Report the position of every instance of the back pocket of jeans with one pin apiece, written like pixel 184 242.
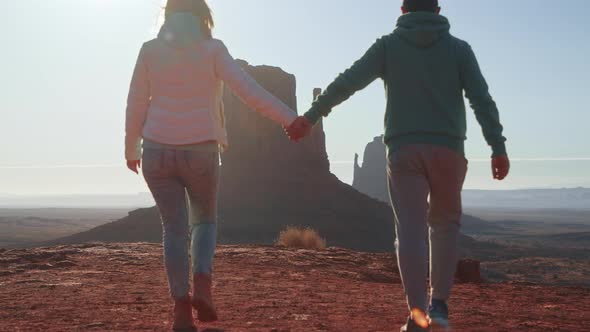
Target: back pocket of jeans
pixel 201 163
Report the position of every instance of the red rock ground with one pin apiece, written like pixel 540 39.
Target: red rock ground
pixel 122 287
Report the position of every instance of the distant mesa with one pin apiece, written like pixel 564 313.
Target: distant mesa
pixel 371 177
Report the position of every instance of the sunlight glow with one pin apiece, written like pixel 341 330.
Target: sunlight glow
pixel 420 318
pixel 160 21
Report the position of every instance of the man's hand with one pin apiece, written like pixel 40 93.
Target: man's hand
pixel 134 165
pixel 299 129
pixel 500 167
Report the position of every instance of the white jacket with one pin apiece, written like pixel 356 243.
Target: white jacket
pixel 176 91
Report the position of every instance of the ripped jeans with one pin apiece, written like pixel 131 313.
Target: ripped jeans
pixel 184 185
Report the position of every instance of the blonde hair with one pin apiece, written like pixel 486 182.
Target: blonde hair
pixel 198 8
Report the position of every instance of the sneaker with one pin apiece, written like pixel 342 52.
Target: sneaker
pixel 411 326
pixel 439 313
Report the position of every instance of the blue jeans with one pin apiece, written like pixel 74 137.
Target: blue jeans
pixel 184 185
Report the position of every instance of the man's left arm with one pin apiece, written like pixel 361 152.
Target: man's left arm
pixel 362 73
pixel 486 111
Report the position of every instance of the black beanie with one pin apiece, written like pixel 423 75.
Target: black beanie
pixel 420 5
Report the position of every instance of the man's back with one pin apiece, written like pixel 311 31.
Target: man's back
pixel 422 75
pixel 425 71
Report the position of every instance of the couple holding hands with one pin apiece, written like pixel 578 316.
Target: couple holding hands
pixel 175 129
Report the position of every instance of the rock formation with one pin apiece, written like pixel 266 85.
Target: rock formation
pixel 269 182
pixel 371 178
pixel 259 150
pixel 468 271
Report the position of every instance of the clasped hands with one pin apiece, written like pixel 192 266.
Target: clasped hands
pixel 299 129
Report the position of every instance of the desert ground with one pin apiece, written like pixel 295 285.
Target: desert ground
pixel 122 287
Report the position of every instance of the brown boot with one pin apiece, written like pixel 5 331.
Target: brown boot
pixel 183 315
pixel 203 299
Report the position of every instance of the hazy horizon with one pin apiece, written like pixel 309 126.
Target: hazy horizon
pixel 564 199
pixel 67 71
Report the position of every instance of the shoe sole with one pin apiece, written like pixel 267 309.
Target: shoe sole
pixel 404 329
pixel 440 324
pixel 205 312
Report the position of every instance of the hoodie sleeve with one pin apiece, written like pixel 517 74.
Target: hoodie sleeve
pixel 362 73
pixel 249 91
pixel 486 111
pixel 138 103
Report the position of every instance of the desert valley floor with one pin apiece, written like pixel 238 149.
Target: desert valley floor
pixel 122 287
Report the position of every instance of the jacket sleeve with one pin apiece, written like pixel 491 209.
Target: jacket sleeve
pixel 249 91
pixel 362 73
pixel 138 103
pixel 486 111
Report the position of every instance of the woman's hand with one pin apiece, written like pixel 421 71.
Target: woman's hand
pixel 134 165
pixel 299 129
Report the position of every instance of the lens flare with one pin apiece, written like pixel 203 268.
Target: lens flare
pixel 420 318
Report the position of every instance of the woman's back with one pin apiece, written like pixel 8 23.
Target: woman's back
pixel 184 87
pixel 181 73
pixel 176 90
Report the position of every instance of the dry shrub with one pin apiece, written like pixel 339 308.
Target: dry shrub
pixel 297 237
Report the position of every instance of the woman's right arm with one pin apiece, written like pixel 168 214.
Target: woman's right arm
pixel 138 104
pixel 249 91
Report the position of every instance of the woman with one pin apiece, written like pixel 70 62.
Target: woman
pixel 175 107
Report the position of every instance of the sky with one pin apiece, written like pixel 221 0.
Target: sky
pixel 66 65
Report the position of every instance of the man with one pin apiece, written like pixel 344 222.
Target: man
pixel 425 71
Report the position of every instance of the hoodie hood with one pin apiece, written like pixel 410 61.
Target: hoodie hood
pixel 181 30
pixel 422 29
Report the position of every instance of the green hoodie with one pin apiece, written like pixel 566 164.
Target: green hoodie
pixel 425 70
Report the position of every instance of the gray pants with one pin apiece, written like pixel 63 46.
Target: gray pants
pixel 184 185
pixel 415 173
